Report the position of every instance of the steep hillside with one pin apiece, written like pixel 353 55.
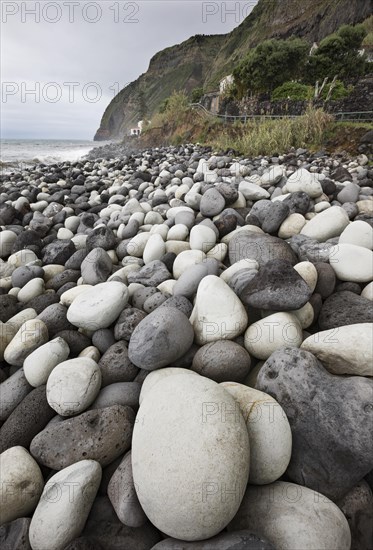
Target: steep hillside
pixel 181 67
pixel 204 60
pixel 309 19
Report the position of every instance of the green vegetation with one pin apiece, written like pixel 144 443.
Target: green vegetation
pixel 294 91
pixel 284 67
pixel 267 136
pixel 197 93
pixel 173 110
pixel 338 54
pixel 270 64
pixel 179 123
pixel 338 91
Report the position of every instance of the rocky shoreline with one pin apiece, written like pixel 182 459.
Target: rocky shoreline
pixel 186 352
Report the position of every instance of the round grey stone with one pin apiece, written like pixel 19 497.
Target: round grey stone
pixel 222 361
pixel 212 203
pixel 162 337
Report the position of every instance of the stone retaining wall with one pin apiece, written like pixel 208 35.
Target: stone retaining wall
pixel 361 99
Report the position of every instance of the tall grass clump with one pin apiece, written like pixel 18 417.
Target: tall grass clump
pixel 267 136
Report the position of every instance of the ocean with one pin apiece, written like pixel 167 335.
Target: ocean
pixel 18 154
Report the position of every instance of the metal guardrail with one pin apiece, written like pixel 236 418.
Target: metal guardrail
pixel 356 116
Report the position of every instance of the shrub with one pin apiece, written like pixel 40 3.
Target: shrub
pixel 270 64
pixel 339 91
pixel 197 93
pixel 338 54
pixel 292 90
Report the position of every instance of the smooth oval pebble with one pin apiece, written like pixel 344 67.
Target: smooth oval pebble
pixel 7 239
pixel 64 506
pixel 73 385
pixel 316 522
pixel 202 238
pixel 123 497
pixel 344 350
pixel 218 314
pixel 186 410
pixel 21 484
pixel 352 263
pixel 154 249
pixel 303 180
pixel 186 259
pixel 40 363
pixel 269 433
pixel 308 272
pixel 359 233
pixel 32 334
pixel 162 337
pixel 327 224
pixel 221 361
pixel 67 297
pixel 33 288
pixel 273 332
pixel 99 306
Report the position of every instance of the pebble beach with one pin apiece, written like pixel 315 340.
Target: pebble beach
pixel 186 352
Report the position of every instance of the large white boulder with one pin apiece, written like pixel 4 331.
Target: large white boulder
pixel 190 457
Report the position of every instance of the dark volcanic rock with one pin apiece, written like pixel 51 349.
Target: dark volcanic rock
pixel 77 341
pixel 278 212
pixel 24 274
pixel 325 411
pixel 116 366
pixel 152 274
pixel 27 420
pixel 100 434
pixel 54 316
pixel 58 252
pixel 101 237
pixel 262 248
pixel 104 527
pixel 9 306
pixel 326 279
pixel 345 308
pixel 236 540
pixel 277 286
pixel 127 322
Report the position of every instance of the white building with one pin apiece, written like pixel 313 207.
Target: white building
pixel 226 83
pixel 137 131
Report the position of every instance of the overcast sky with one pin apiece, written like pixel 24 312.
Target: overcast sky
pixel 73 56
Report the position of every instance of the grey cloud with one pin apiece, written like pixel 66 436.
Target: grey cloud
pixel 110 53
